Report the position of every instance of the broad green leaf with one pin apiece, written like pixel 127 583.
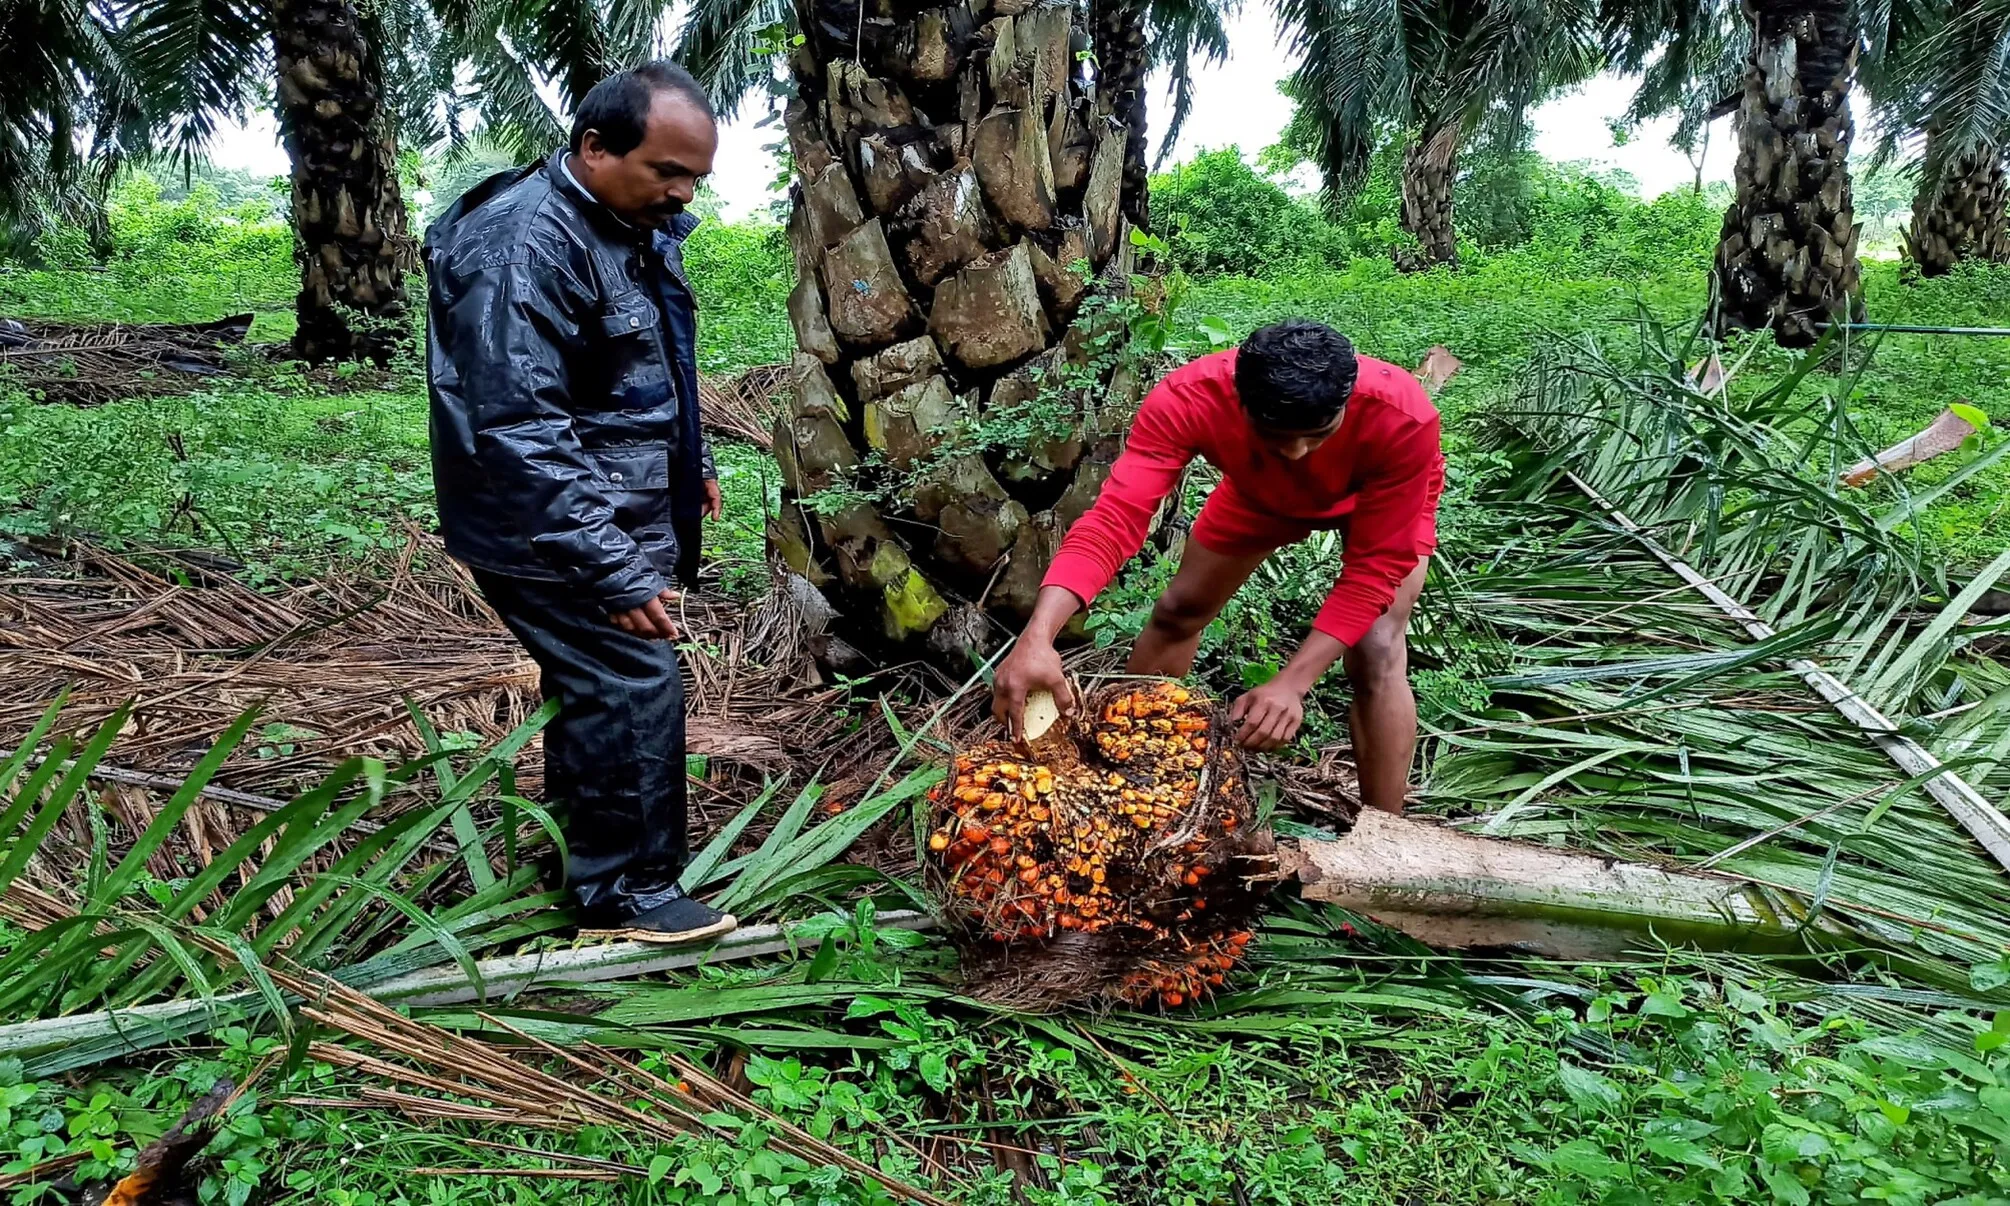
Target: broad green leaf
pixel 1589 1089
pixel 1681 1151
pixel 1583 1158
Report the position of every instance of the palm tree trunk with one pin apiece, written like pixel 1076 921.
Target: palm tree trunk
pixel 1787 258
pixel 955 405
pixel 1120 93
pixel 1963 218
pixel 348 219
pixel 1429 167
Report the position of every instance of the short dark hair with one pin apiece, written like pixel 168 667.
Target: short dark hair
pixel 618 107
pixel 1295 375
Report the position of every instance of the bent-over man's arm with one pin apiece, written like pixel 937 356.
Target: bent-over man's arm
pixel 1095 548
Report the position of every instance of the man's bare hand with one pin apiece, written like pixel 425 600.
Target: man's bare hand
pixel 1032 665
pixel 1268 718
pixel 651 621
pixel 715 502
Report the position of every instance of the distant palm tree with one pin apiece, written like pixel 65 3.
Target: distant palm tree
pixel 1438 71
pixel 1949 81
pixel 349 77
pixel 69 114
pixel 1787 254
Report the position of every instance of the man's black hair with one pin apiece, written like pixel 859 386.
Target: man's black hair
pixel 1295 375
pixel 618 106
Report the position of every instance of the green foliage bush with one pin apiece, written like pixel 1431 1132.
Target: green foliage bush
pixel 186 260
pixel 1220 215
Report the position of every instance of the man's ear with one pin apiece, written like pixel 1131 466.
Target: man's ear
pixel 590 141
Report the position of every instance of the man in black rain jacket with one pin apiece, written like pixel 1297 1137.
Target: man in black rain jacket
pixel 572 472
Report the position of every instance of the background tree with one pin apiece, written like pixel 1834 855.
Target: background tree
pixel 1441 72
pixel 1948 84
pixel 734 46
pixel 203 61
pixel 69 115
pixel 957 399
pixel 1787 255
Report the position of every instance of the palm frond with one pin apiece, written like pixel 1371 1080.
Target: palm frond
pixel 722 43
pixel 198 61
pixel 1179 34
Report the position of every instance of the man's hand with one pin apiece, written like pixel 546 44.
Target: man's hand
pixel 715 502
pixel 1268 717
pixel 651 621
pixel 1033 665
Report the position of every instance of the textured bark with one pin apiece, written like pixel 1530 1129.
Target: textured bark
pixel 1787 257
pixel 1120 93
pixel 1429 167
pixel 349 221
pixel 953 172
pixel 1964 218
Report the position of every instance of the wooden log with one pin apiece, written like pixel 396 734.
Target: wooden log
pixel 868 303
pixel 1452 890
pixel 989 313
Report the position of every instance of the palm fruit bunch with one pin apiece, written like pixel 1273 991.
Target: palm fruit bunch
pixel 1114 840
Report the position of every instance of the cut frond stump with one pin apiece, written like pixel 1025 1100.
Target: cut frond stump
pixel 1107 859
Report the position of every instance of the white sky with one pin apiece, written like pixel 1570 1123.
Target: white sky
pixel 1236 102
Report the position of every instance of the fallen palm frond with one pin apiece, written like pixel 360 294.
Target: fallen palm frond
pixel 339 666
pixel 744 407
pixel 1692 743
pixel 617 1092
pixel 91 363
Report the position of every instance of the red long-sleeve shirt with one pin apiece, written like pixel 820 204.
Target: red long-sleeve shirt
pixel 1378 476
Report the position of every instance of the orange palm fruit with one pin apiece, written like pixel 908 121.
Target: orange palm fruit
pixel 938 841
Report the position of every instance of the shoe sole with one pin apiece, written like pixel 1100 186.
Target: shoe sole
pixel 724 925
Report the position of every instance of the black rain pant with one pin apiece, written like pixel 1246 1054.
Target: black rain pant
pixel 615 754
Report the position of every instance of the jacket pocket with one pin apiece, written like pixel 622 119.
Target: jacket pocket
pixel 632 357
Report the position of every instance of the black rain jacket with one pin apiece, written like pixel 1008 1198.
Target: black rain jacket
pixel 562 369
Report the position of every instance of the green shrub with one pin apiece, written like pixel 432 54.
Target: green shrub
pixel 1220 215
pixel 742 274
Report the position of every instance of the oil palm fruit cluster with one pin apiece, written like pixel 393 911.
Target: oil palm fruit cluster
pixel 1117 827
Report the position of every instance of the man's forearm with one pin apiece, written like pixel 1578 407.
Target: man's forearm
pixel 1313 659
pixel 1052 610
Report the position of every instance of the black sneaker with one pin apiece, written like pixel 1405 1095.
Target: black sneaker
pixel 676 919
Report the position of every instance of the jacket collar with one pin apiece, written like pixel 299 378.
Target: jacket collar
pixel 677 231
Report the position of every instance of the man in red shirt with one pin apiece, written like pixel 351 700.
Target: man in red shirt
pixel 1308 436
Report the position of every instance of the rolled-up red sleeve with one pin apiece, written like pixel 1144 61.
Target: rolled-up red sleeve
pixel 1113 530
pixel 1382 544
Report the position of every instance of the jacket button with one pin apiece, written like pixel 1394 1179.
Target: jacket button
pixel 614 477
pixel 634 321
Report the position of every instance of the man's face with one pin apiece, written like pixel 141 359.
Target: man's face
pixel 654 182
pixel 1294 445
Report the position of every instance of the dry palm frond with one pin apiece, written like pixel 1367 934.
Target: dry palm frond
pixel 744 407
pixel 92 363
pixel 618 1093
